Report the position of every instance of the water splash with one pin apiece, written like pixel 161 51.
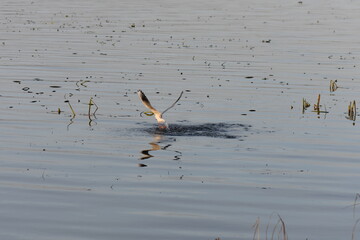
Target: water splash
pixel 214 130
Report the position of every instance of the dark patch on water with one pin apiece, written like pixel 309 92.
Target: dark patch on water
pixel 214 130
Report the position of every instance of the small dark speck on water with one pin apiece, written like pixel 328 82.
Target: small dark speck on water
pixel 25 88
pixel 252 110
pixel 249 77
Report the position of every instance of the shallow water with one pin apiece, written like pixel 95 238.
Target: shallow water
pixel 239 145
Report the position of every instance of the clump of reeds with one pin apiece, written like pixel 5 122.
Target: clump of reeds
pixel 352 111
pixel 278 232
pixel 279 228
pixel 317 106
pixel 333 85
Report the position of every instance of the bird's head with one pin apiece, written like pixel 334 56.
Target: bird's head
pixel 163 124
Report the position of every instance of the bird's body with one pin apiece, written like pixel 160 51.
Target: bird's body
pixel 158 115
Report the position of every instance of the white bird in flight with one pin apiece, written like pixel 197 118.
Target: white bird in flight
pixel 158 115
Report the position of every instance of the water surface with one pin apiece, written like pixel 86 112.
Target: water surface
pixel 239 146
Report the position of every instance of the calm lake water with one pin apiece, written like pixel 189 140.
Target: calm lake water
pixel 240 147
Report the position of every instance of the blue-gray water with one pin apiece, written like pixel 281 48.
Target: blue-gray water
pixel 239 145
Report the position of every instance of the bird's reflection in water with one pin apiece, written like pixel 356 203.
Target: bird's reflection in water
pixel 155 146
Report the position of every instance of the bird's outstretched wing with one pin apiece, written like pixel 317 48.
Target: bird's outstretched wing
pixel 147 103
pixel 173 103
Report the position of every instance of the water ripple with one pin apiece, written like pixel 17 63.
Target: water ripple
pixel 214 130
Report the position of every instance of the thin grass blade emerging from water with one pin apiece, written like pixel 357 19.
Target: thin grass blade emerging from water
pixel 256 226
pixel 355 203
pixel 279 227
pixel 354 229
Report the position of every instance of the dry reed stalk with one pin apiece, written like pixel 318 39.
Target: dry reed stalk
pixel 355 203
pixel 91 103
pixel 306 104
pixel 352 111
pixel 354 229
pixel 279 226
pixel 257 229
pixel 317 105
pixel 333 85
pixel 71 108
